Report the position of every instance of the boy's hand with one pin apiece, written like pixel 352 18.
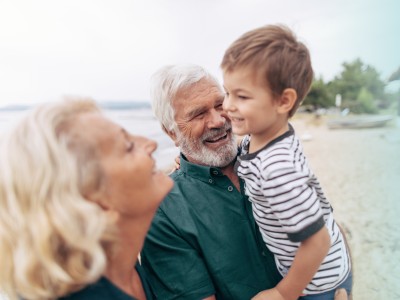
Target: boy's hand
pixel 271 294
pixel 176 166
pixel 177 162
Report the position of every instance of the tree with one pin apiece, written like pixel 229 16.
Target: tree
pixel 395 75
pixel 357 83
pixel 319 95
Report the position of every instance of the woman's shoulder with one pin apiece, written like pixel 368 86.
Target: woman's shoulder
pixel 103 289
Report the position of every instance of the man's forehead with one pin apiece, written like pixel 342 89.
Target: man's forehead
pixel 202 90
pixel 204 98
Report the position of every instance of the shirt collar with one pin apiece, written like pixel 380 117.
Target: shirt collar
pixel 198 171
pixel 248 156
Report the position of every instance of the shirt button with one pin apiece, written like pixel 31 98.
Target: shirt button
pixel 210 180
pixel 215 172
pixel 230 188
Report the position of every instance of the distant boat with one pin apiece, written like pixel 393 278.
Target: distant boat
pixel 359 122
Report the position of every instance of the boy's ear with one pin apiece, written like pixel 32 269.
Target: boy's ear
pixel 171 134
pixel 287 100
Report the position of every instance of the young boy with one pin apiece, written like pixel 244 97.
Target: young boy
pixel 267 73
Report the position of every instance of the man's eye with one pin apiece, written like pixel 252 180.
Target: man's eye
pixel 199 116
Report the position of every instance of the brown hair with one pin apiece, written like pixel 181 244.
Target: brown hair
pixel 276 55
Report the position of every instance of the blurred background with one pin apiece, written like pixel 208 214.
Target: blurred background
pixel 349 122
pixel 108 49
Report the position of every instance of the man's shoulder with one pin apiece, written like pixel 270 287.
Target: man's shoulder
pixel 176 201
pixel 189 194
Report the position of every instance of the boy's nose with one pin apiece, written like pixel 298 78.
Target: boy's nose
pixel 227 104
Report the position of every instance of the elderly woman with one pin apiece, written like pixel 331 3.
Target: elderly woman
pixel 77 196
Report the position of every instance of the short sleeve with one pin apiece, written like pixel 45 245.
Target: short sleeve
pixel 293 201
pixel 174 267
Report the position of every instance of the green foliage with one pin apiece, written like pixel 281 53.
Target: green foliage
pixel 364 103
pixel 395 75
pixel 319 95
pixel 360 86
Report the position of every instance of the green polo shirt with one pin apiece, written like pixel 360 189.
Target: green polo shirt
pixel 204 241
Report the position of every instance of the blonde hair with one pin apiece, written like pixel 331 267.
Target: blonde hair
pixel 52 239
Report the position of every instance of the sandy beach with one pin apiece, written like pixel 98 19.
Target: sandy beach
pixel 359 170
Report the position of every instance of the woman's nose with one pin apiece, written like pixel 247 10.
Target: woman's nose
pixel 146 144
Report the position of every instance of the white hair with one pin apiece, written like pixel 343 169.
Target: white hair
pixel 170 80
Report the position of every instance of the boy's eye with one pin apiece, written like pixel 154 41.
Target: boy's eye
pixel 243 97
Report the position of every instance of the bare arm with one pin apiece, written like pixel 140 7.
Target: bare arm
pixel 309 257
pixel 210 298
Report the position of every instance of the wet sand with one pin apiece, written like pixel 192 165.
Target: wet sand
pixel 359 169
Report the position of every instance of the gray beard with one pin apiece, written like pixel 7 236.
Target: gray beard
pixel 200 154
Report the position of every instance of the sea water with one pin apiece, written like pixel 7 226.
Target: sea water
pixel 139 121
pixel 142 122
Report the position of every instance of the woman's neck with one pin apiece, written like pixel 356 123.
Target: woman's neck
pixel 121 265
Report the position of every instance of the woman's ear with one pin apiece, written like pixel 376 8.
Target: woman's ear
pixel 98 198
pixel 287 100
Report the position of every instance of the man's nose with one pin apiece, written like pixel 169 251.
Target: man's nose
pixel 217 119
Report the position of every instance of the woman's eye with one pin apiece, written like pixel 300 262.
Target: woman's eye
pixel 129 146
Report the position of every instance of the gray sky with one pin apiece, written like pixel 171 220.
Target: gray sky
pixel 108 49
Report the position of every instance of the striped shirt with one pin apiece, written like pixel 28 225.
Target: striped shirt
pixel 289 206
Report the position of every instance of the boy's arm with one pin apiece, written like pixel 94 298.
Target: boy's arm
pixel 309 257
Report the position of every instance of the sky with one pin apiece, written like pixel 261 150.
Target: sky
pixel 108 49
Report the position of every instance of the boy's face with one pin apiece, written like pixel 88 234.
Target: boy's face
pixel 251 106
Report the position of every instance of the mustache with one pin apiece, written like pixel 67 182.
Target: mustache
pixel 216 132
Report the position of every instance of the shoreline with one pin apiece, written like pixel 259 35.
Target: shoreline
pixel 359 170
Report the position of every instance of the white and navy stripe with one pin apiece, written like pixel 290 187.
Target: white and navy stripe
pixel 289 206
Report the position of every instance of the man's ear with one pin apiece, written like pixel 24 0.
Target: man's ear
pixel 171 134
pixel 287 100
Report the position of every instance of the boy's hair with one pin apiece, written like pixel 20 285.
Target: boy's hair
pixel 276 56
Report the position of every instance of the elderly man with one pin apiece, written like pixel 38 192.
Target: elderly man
pixel 203 243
